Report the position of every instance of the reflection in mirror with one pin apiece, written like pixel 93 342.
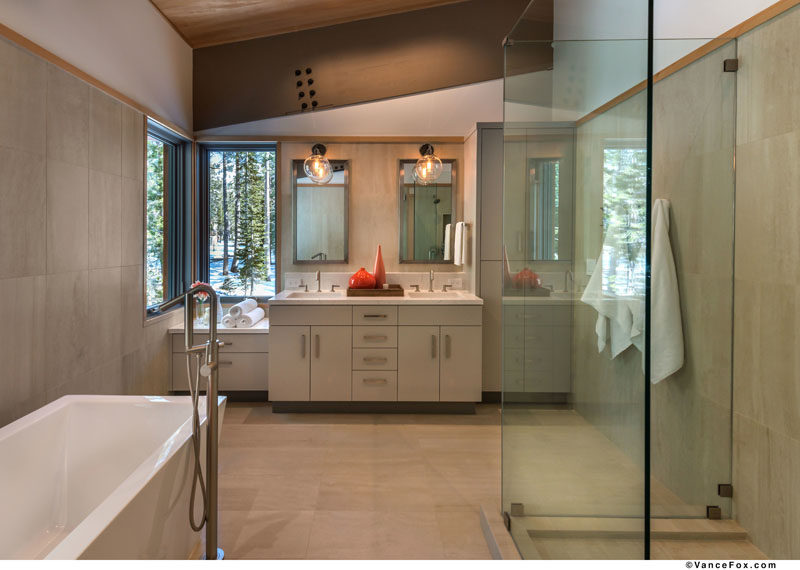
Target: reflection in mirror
pixel 543 201
pixel 320 215
pixel 426 212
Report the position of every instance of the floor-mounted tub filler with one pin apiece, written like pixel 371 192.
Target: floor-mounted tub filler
pixel 100 477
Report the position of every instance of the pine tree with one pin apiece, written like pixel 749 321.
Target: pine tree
pixel 237 196
pixel 225 213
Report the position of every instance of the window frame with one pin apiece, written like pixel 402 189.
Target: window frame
pixel 202 218
pixel 178 226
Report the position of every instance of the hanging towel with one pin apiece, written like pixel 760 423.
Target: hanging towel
pixel 249 319
pixel 666 328
pixel 458 244
pixel 240 309
pixel 447 242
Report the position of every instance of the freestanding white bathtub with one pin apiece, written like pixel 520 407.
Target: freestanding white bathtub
pixel 105 477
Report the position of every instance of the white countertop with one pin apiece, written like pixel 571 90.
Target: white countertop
pixel 557 298
pixel 341 298
pixel 261 327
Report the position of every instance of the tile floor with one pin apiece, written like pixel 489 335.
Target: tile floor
pixel 408 486
pixel 356 486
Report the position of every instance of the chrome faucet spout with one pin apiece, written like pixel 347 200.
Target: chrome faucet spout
pixel 430 282
pixel 319 282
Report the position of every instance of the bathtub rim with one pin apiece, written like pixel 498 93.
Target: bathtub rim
pixel 82 536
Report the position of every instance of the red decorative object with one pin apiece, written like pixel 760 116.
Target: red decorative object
pixel 526 279
pixel 202 295
pixel 362 279
pixel 379 272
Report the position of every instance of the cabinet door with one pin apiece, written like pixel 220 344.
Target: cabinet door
pixel 289 367
pixel 460 377
pixel 331 354
pixel 418 364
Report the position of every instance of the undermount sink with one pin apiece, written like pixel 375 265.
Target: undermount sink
pixel 315 295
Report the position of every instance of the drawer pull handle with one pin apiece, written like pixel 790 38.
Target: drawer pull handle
pixel 433 346
pixel 225 362
pixel 376 359
pixel 303 347
pixel 375 337
pixel 222 343
pixel 375 316
pixel 375 381
pixel 316 349
pixel 447 346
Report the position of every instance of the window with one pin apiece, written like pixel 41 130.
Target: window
pixel 624 218
pixel 165 215
pixel 239 197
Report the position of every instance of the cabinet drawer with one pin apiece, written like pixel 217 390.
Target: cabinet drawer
pixel 311 315
pixel 369 386
pixel 464 315
pixel 377 337
pixel 374 359
pixel 237 342
pixel 375 315
pixel 237 371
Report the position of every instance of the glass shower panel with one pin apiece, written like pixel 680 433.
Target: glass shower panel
pixel 575 236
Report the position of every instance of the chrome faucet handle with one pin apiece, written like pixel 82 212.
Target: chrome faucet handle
pixel 430 282
pixel 445 287
pixel 416 288
pixel 319 282
pixel 333 287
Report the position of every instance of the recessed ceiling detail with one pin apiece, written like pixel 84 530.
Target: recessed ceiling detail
pixel 205 23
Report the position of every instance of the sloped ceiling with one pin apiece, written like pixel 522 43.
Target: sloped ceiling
pixel 356 62
pixel 205 23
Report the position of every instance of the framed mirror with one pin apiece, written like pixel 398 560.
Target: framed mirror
pixel 320 213
pixel 426 212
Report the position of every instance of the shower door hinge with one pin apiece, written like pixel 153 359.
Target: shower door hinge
pixel 713 512
pixel 731 65
pixel 725 490
pixel 507 520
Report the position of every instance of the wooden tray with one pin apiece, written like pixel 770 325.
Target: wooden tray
pixel 392 291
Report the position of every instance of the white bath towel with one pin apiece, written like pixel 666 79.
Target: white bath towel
pixel 447 242
pixel 458 244
pixel 666 327
pixel 249 319
pixel 229 321
pixel 623 317
pixel 240 309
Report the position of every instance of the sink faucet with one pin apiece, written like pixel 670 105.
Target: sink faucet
pixel 569 280
pixel 430 283
pixel 319 282
pixel 444 287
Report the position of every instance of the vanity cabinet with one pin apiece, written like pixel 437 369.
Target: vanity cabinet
pixel 375 353
pixel 243 361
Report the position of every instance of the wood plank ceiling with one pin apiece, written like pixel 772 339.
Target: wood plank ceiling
pixel 205 23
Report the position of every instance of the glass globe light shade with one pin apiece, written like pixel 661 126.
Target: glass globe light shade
pixel 428 167
pixel 317 167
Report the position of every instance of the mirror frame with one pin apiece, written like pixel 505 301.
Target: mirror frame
pixel 454 198
pixel 346 163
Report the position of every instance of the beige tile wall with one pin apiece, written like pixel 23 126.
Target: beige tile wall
pixel 373 203
pixel 766 383
pixel 71 242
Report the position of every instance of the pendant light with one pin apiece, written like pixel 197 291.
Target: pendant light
pixel 317 167
pixel 428 167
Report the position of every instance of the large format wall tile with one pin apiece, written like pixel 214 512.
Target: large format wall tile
pixel 132 143
pixel 22 345
pixel 67 118
pixel 67 217
pixel 105 234
pixel 132 222
pixel 67 331
pixel 105 133
pixel 105 312
pixel 22 213
pixel 23 78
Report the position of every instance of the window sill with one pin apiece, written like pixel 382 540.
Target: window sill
pixel 155 318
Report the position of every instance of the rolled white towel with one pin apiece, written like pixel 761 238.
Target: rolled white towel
pixel 229 321
pixel 249 319
pixel 240 309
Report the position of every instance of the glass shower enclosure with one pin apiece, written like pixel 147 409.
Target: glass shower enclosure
pixel 595 454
